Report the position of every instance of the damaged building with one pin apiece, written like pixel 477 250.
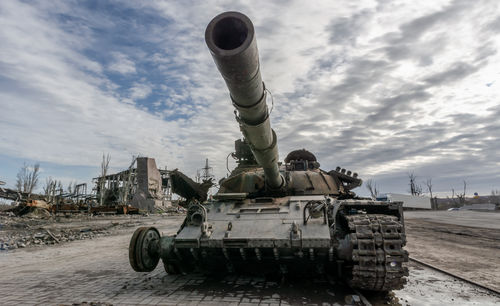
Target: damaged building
pixel 144 187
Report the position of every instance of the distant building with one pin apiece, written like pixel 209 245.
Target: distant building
pixel 409 201
pixel 480 206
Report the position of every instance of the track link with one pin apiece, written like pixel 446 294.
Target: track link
pixel 378 255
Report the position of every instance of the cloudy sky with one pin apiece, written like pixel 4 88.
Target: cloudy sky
pixel 382 88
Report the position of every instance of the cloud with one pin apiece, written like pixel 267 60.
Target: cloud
pixel 140 91
pixel 345 30
pixel 457 71
pixel 53 105
pixel 121 64
pixel 382 88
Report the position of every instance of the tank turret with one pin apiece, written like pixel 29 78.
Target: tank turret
pixel 230 37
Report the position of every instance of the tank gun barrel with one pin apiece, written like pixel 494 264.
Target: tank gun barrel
pixel 230 37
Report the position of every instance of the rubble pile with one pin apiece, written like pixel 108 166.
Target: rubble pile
pixel 21 232
pixel 30 226
pixel 170 210
pixel 32 212
pixel 46 237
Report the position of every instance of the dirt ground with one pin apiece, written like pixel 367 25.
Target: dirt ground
pixel 97 270
pixel 466 243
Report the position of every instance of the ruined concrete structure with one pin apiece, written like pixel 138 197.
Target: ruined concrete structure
pixel 149 192
pixel 143 187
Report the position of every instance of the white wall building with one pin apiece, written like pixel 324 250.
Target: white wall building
pixel 409 201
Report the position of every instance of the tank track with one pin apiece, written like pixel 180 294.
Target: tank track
pixel 377 252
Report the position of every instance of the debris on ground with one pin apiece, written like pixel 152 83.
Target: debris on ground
pixel 40 228
pixel 170 210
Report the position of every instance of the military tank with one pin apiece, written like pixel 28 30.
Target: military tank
pixel 268 216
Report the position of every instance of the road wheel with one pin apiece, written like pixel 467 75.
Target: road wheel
pixel 144 249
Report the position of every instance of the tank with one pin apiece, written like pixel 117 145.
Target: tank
pixel 288 217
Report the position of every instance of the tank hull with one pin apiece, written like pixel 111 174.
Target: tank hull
pixel 279 236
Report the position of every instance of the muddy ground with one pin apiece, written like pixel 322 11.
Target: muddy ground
pixel 465 243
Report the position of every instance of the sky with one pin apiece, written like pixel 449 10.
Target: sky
pixel 382 88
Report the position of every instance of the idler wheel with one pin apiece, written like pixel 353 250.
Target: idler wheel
pixel 144 249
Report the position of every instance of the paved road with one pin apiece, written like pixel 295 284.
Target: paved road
pixel 98 271
pixel 466 243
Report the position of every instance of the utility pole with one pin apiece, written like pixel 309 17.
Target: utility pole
pixel 206 172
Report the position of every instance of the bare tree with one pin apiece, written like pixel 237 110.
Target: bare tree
pixel 71 187
pixel 455 203
pixel 102 179
pixel 128 183
pixel 27 178
pixel 48 189
pixel 460 201
pixel 372 187
pixel 428 183
pixel 59 188
pixel 415 189
pixel 495 196
pixel 461 196
pixel 51 188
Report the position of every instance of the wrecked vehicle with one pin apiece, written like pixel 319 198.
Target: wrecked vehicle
pixel 290 217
